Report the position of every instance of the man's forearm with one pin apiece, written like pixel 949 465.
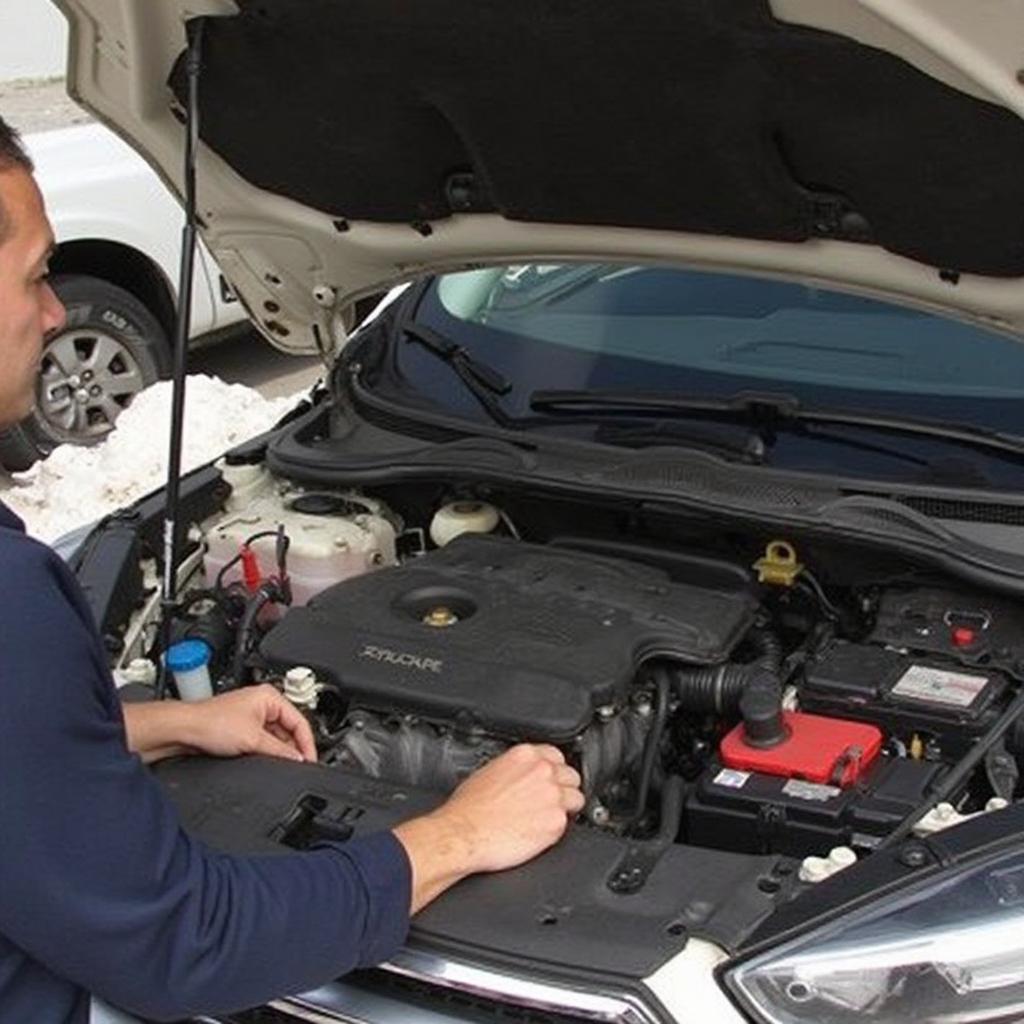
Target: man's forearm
pixel 439 853
pixel 158 729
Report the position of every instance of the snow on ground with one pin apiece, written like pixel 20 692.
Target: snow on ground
pixel 76 486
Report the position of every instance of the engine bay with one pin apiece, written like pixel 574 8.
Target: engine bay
pixel 746 694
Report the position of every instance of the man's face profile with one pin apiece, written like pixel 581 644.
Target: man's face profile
pixel 29 310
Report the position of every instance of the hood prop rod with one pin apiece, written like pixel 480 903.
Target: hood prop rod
pixel 183 321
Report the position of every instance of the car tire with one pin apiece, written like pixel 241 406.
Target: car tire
pixel 111 348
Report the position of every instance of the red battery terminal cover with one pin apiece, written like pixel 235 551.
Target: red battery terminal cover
pixel 818 749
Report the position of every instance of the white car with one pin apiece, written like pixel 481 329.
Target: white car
pixel 694 447
pixel 116 270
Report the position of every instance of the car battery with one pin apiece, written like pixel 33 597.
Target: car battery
pixel 754 812
pixel 815 748
pixel 905 695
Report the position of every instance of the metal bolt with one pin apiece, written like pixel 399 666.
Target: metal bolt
pixel 599 814
pixel 914 857
pixel 95 391
pixel 87 375
pixel 81 396
pixel 606 712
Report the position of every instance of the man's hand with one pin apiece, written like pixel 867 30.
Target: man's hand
pixel 253 720
pixel 503 815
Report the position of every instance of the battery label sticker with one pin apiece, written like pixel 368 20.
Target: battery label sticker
pixel 956 689
pixel 732 778
pixel 810 790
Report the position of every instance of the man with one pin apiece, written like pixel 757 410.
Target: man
pixel 100 890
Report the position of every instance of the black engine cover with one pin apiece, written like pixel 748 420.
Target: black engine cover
pixel 537 637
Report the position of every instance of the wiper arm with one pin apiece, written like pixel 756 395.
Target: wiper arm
pixel 749 448
pixel 772 412
pixel 481 380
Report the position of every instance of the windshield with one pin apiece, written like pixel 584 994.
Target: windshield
pixel 669 331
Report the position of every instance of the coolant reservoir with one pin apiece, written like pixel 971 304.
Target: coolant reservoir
pixel 333 537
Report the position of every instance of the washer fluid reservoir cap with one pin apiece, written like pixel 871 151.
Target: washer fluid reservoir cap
pixel 187 655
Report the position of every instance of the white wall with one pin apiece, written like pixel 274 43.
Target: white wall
pixel 33 39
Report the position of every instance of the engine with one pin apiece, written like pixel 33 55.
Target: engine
pixel 451 657
pixel 702 702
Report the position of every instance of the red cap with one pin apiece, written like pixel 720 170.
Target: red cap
pixel 963 636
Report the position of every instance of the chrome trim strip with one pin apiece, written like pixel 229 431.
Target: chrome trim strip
pixel 488 983
pixel 349 1005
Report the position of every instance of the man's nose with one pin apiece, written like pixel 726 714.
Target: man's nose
pixel 54 315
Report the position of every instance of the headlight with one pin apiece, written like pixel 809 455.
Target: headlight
pixel 949 951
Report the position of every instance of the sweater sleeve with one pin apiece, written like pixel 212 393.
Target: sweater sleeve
pixel 99 883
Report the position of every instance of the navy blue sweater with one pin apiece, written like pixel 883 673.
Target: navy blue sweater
pixel 100 889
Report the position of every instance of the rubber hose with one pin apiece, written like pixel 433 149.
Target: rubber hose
pixel 769 649
pixel 254 606
pixel 653 743
pixel 717 689
pixel 672 793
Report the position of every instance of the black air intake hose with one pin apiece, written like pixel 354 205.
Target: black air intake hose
pixel 717 689
pixel 768 648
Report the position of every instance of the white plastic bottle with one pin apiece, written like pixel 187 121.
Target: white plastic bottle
pixel 189 662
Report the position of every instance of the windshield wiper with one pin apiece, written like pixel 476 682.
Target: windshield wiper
pixel 748 448
pixel 482 381
pixel 770 413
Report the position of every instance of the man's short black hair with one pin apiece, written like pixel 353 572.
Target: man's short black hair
pixel 12 154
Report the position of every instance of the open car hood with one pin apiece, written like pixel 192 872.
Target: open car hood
pixel 874 145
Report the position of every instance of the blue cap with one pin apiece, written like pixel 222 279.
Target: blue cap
pixel 187 655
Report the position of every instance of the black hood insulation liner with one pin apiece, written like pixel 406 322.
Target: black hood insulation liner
pixel 691 115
